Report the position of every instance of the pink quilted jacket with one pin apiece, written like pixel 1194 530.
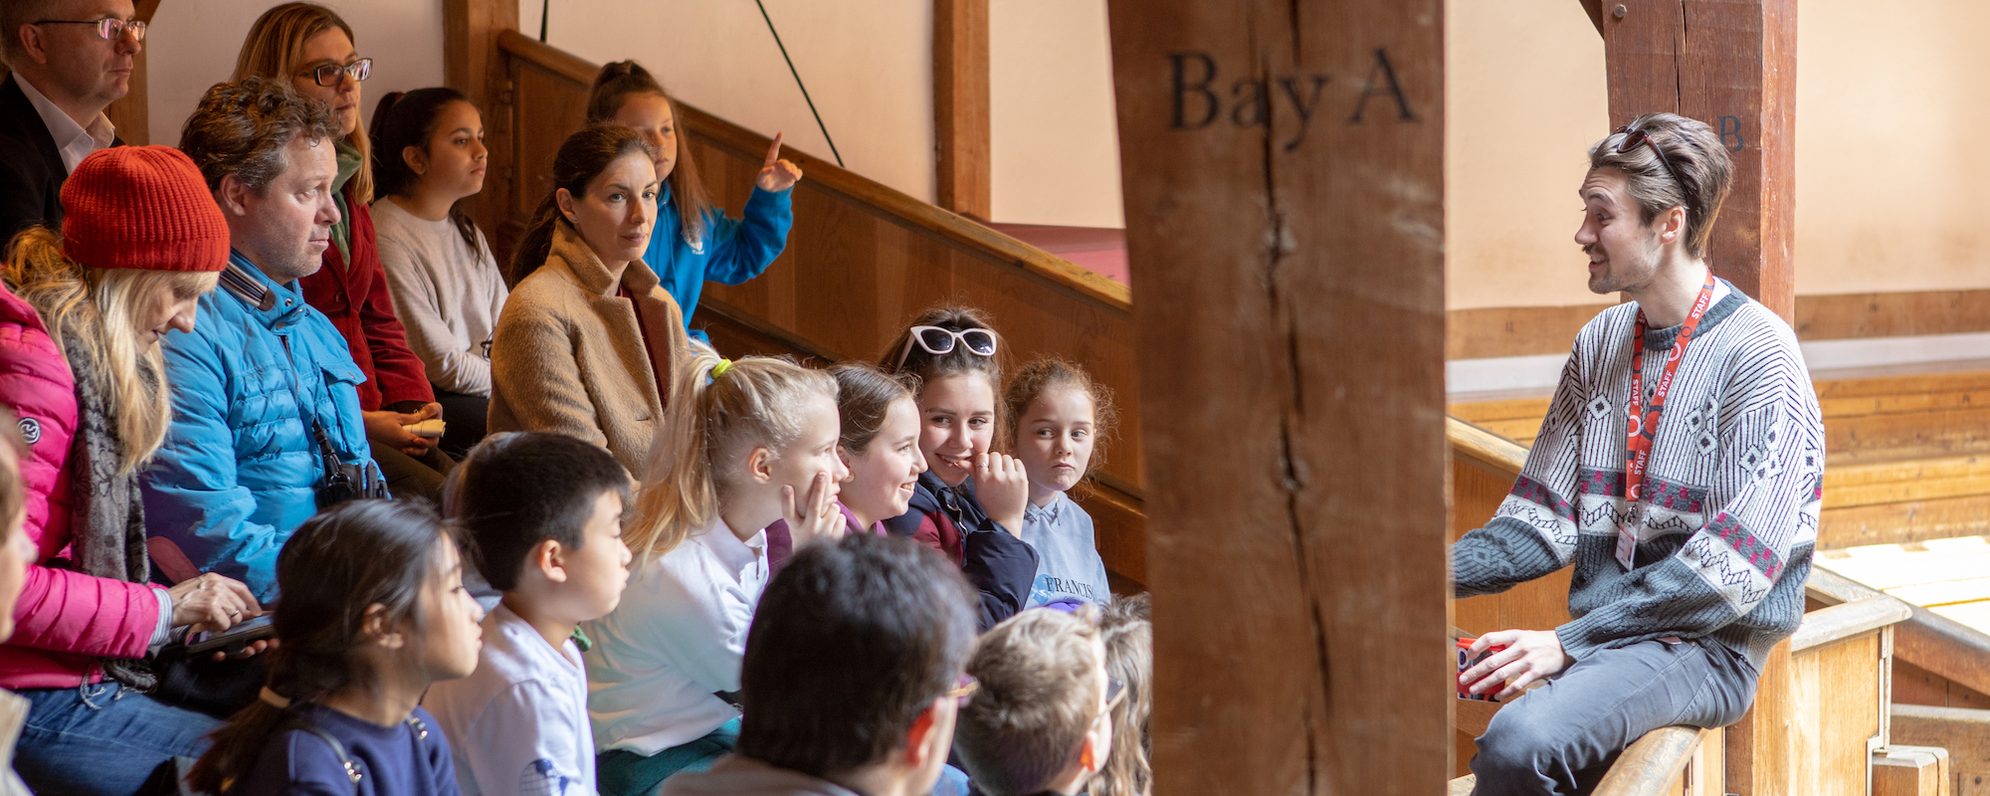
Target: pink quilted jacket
pixel 65 620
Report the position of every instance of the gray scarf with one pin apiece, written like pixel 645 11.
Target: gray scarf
pixel 107 515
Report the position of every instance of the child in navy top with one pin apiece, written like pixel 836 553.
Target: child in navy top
pixel 1056 414
pixel 969 502
pixel 373 612
pixel 410 757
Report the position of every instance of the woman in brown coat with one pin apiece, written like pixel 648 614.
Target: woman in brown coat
pixel 586 343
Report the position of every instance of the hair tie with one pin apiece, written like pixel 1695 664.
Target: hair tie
pixel 721 368
pixel 274 699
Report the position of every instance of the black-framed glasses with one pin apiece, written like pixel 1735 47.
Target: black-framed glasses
pixel 108 28
pixel 1635 138
pixel 330 75
pixel 940 341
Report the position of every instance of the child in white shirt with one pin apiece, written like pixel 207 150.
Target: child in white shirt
pixel 743 444
pixel 544 512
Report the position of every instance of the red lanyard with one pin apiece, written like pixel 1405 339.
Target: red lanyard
pixel 1641 423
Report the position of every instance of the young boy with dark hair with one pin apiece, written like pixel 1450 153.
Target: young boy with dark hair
pixel 545 514
pixel 1041 722
pixel 852 675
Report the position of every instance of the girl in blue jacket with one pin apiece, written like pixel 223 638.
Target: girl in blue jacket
pixel 694 241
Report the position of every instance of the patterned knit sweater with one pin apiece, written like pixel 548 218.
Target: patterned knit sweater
pixel 1732 489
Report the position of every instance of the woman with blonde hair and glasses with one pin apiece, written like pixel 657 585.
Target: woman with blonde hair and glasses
pixel 313 48
pixel 81 315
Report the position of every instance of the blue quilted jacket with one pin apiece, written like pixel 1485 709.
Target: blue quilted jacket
pixel 239 468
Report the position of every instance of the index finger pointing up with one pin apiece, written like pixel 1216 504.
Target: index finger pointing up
pixel 773 152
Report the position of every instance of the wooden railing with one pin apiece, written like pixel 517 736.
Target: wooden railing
pixel 862 259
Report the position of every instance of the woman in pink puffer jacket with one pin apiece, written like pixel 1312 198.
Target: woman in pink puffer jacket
pixel 80 320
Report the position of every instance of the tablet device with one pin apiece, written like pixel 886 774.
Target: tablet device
pixel 237 636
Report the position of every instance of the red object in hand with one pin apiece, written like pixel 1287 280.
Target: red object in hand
pixel 1465 661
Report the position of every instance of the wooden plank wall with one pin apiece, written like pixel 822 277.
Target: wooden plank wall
pixel 1523 331
pixel 1292 387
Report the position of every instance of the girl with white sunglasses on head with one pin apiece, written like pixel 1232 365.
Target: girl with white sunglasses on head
pixel 969 502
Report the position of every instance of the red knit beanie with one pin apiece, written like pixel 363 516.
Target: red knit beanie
pixel 142 207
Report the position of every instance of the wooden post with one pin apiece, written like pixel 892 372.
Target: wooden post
pixel 1282 164
pixel 1731 64
pixel 130 114
pixel 471 64
pixel 960 106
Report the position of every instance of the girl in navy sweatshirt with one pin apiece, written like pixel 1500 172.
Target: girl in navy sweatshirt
pixel 373 611
pixel 969 502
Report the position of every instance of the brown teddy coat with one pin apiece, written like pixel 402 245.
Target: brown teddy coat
pixel 570 356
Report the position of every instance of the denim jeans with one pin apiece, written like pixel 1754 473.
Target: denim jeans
pixel 100 738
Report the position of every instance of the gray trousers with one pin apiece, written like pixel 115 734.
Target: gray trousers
pixel 1562 736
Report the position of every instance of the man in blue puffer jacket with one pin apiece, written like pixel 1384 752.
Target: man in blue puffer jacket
pixel 262 370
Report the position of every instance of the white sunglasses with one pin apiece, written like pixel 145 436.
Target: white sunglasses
pixel 940 341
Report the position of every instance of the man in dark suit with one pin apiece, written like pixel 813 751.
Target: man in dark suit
pixel 69 60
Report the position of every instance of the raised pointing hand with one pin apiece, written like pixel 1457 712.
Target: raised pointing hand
pixel 777 175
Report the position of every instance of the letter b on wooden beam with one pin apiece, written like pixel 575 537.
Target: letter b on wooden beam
pixel 1731 64
pixel 1283 173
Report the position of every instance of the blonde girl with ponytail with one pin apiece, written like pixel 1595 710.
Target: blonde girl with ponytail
pixel 743 444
